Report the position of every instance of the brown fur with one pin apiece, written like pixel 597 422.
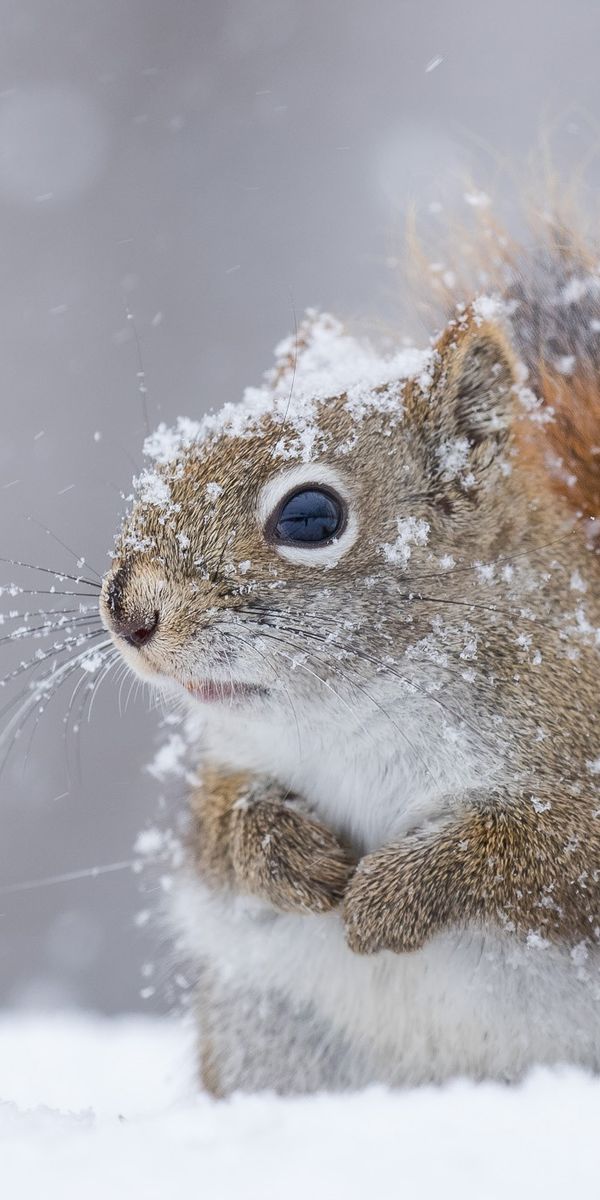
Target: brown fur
pixel 526 857
pixel 534 871
pixel 572 438
pixel 249 835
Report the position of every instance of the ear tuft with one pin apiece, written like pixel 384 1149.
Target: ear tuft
pixel 480 385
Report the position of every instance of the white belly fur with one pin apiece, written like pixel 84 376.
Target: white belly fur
pixel 469 1002
pixel 464 1004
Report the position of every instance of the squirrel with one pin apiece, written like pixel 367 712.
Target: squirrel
pixel 375 583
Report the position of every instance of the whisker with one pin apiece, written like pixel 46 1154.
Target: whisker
pixel 122 675
pixel 86 696
pixel 39 690
pixel 41 657
pixel 328 685
pixel 60 575
pixel 386 668
pixel 79 559
pixel 411 686
pixel 278 622
pixel 30 885
pixel 14 589
pixel 131 687
pixel 97 682
pixel 40 631
pixel 294 369
pixel 496 561
pixel 414 598
pixel 248 645
pixel 81 610
pixel 86 684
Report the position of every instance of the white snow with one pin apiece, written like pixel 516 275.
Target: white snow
pixel 452 457
pixel 96 1108
pixel 326 362
pixel 477 199
pixel 152 489
pixel 213 491
pixel 412 531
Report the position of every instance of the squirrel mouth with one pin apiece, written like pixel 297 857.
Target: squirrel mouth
pixel 223 693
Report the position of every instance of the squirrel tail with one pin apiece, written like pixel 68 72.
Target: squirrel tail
pixel 550 286
pixel 552 297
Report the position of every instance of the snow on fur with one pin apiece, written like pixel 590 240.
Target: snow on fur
pixel 330 363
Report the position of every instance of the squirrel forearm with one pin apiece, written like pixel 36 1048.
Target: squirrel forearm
pixel 212 806
pixel 528 866
pixel 251 835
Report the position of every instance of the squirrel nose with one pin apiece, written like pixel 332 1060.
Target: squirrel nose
pixel 136 631
pixel 135 622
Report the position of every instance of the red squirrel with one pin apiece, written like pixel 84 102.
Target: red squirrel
pixel 376 583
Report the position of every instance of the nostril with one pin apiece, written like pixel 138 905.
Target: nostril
pixel 138 635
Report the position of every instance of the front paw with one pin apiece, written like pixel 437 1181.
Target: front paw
pixel 383 908
pixel 289 859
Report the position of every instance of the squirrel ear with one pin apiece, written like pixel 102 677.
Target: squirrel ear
pixel 479 389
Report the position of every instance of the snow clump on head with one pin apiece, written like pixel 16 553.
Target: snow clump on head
pixel 320 363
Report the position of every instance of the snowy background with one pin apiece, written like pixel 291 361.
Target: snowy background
pixel 214 166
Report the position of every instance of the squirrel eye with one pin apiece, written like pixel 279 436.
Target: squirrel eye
pixel 310 515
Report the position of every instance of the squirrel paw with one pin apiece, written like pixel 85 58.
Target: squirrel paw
pixel 383 908
pixel 288 858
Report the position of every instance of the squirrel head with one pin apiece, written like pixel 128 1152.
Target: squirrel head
pixel 266 533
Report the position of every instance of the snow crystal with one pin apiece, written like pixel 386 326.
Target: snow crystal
pixel 523 640
pixel 577 584
pixel 412 531
pixel 485 572
pixel 580 954
pixel 152 489
pixel 165 443
pixel 469 649
pixel 487 308
pixel 452 457
pixel 536 941
pixel 565 365
pixel 170 758
pixel 213 491
pixel 477 199
pixel 150 842
pixel 92 662
pixel 575 290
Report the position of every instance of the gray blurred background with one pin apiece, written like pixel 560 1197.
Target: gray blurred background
pixel 212 166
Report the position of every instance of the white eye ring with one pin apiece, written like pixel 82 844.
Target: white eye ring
pixel 318 475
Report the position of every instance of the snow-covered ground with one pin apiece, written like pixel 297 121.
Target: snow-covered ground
pixel 91 1109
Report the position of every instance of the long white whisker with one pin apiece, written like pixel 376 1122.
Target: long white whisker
pixel 30 885
pixel 40 688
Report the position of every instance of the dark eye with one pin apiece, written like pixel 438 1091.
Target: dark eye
pixel 309 515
